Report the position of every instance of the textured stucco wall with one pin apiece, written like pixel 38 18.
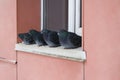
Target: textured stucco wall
pixel 8 28
pixel 101 39
pixel 36 67
pixel 7 39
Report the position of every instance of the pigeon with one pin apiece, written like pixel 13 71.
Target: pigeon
pixel 51 38
pixel 26 38
pixel 37 37
pixel 69 40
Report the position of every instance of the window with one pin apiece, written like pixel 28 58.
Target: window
pixel 62 14
pixel 56 14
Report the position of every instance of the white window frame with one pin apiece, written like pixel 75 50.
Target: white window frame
pixel 41 15
pixel 73 16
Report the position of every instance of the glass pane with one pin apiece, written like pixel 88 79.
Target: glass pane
pixel 55 14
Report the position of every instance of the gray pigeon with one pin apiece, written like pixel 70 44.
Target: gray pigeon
pixel 69 40
pixel 51 38
pixel 26 38
pixel 37 37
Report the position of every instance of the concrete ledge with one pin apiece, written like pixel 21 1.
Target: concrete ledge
pixel 58 52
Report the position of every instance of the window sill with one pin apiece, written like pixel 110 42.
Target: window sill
pixel 58 52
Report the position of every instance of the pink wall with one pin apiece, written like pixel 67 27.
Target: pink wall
pixel 101 42
pixel 28 15
pixel 7 39
pixel 7 28
pixel 7 71
pixel 101 39
pixel 36 67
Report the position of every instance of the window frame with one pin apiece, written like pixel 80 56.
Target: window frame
pixel 74 16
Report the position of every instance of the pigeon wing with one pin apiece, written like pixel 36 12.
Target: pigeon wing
pixel 53 37
pixel 75 39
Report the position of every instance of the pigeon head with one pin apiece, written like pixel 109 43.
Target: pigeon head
pixel 21 36
pixel 63 33
pixel 26 38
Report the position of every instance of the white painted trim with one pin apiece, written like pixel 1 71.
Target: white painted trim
pixel 77 17
pixel 41 15
pixel 78 29
pixel 74 17
pixel 71 15
pixel 58 52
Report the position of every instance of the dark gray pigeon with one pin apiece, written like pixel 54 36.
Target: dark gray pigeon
pixel 37 37
pixel 26 38
pixel 69 40
pixel 51 38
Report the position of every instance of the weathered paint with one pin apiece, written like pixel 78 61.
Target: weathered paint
pixel 101 39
